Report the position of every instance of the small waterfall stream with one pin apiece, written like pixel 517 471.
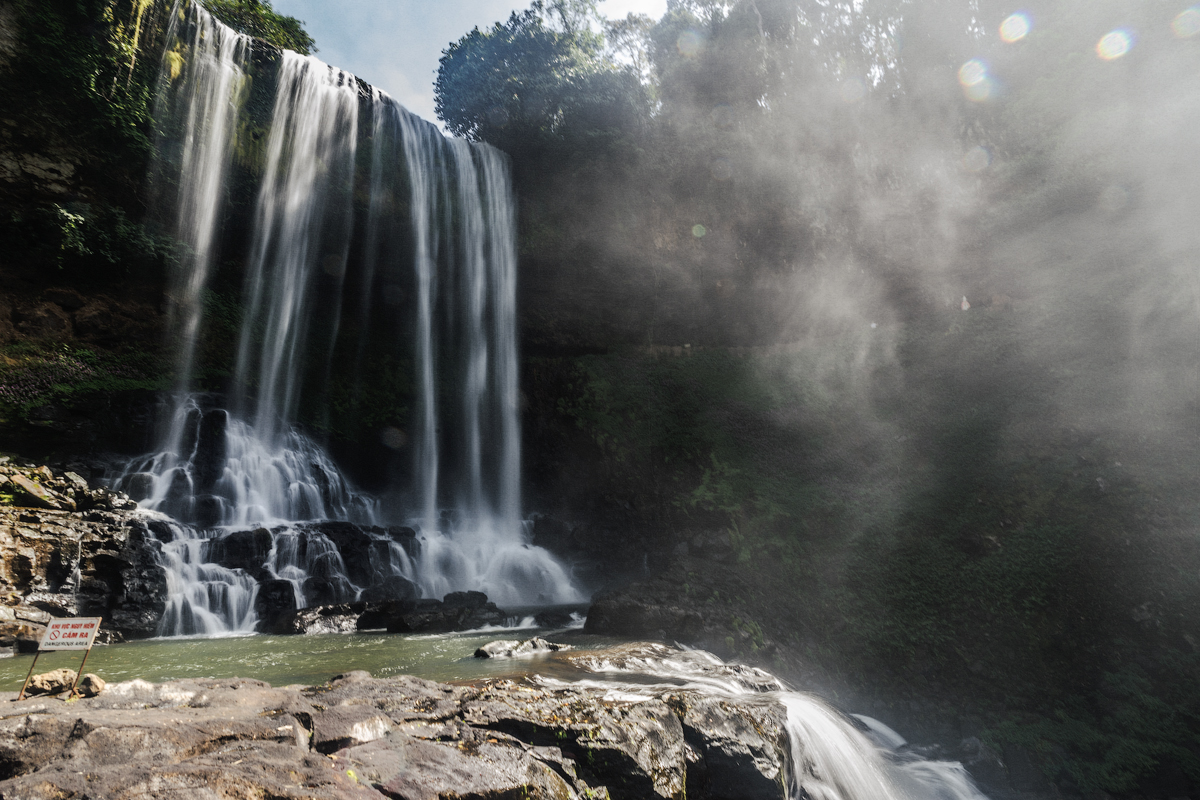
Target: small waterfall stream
pixel 831 757
pixel 439 217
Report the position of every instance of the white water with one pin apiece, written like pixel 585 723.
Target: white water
pixel 831 759
pixel 210 83
pixel 250 467
pixel 301 230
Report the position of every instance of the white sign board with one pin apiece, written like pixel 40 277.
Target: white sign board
pixel 70 634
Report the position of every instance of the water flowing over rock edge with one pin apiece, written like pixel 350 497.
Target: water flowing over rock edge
pixel 705 730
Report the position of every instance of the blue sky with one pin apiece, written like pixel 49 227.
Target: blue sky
pixel 395 44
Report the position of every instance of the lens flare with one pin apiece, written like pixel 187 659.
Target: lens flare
pixel 689 43
pixel 1015 28
pixel 976 83
pixel 972 73
pixel 698 231
pixel 1114 44
pixel 1187 24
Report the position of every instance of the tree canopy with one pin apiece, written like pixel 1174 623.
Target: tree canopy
pixel 257 18
pixel 541 76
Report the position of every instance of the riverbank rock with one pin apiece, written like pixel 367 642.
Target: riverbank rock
pixel 53 682
pixel 94 564
pixel 399 737
pixel 91 685
pixel 512 648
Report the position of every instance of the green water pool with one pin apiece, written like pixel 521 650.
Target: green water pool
pixel 283 660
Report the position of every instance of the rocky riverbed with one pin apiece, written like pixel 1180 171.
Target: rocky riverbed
pixel 401 737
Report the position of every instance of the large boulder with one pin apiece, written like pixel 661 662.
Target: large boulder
pixel 245 550
pixel 53 682
pixel 340 618
pixel 742 745
pixel 512 648
pixel 354 545
pixel 209 462
pixel 392 589
pixel 275 602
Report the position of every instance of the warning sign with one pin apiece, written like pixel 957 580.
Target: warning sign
pixel 70 634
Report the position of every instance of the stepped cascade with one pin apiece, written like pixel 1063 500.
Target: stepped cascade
pixel 365 215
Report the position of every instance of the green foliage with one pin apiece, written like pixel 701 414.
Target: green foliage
pixel 257 18
pixel 94 242
pixel 79 69
pixel 33 375
pixel 523 83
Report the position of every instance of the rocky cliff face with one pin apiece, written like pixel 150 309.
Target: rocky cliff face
pixel 56 561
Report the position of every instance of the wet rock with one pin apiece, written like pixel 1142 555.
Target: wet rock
pixel 430 616
pixel 626 613
pixel 139 485
pixel 275 602
pixel 21 637
pixel 512 648
pixel 55 604
pixel 53 682
pixel 354 545
pixel 636 750
pixel 552 534
pixel 359 736
pixel 245 550
pixel 209 462
pixel 91 685
pixel 406 538
pixel 320 591
pixel 553 618
pixel 76 480
pixel 742 746
pixel 470 600
pixel 393 589
pixel 341 618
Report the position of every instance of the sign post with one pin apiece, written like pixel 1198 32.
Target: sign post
pixel 75 633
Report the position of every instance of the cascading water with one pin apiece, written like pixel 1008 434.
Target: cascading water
pixel 230 470
pixel 831 758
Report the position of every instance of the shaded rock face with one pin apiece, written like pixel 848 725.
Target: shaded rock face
pixel 404 616
pixel 672 607
pixel 402 737
pixel 59 563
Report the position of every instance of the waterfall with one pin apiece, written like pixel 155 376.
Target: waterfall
pixel 203 78
pixel 350 190
pixel 831 756
pixel 302 227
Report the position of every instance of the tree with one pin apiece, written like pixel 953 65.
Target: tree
pixel 539 78
pixel 257 18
